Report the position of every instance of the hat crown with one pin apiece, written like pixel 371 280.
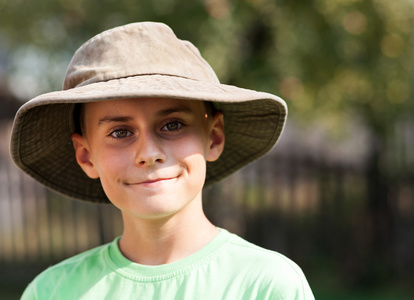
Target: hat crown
pixel 136 49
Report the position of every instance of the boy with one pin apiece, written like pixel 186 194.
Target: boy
pixel 143 123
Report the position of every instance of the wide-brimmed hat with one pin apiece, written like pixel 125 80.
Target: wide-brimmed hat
pixel 139 60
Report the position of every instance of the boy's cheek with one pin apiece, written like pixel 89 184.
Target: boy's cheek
pixel 109 164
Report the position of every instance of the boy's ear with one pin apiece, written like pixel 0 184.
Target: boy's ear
pixel 83 155
pixel 216 137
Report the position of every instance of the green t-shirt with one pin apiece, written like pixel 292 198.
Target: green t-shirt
pixel 227 268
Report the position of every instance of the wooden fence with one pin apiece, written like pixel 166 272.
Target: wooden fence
pixel 317 211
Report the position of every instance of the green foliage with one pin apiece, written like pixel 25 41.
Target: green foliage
pixel 331 60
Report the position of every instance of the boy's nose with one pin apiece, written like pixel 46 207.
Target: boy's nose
pixel 149 151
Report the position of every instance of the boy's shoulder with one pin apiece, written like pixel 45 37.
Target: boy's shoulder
pixel 230 249
pixel 92 256
pixel 263 273
pixel 256 258
pixel 79 268
pixel 228 265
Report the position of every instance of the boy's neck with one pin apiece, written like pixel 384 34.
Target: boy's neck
pixel 156 242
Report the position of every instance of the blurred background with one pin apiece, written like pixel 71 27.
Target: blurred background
pixel 337 193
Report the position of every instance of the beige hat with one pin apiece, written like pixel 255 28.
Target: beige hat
pixel 138 60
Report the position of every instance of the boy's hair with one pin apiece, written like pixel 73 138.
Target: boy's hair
pixel 79 118
pixel 139 60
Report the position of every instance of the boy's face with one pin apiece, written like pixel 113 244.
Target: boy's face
pixel 150 154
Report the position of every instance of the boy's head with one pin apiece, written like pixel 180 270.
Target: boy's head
pixel 150 149
pixel 139 66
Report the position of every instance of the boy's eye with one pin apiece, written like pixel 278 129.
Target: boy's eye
pixel 120 133
pixel 172 126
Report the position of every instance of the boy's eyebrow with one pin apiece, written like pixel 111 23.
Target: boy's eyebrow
pixel 109 119
pixel 161 113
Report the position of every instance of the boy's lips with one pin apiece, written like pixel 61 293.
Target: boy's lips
pixel 156 180
pixel 149 181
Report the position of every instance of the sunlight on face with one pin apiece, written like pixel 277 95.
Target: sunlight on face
pixel 150 154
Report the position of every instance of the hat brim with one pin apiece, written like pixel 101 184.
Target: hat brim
pixel 41 138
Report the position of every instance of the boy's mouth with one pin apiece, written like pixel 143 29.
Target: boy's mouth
pixel 151 181
pixel 155 180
